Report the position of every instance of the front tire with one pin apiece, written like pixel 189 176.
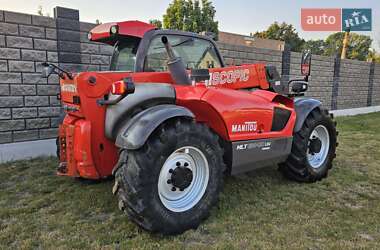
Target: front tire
pixel 171 183
pixel 313 148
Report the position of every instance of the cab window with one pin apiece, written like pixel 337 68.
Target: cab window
pixel 124 55
pixel 196 53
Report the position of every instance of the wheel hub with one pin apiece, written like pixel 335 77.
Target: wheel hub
pixel 315 145
pixel 181 177
pixel 318 146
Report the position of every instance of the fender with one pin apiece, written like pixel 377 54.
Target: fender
pixel 137 130
pixel 303 107
pixel 146 95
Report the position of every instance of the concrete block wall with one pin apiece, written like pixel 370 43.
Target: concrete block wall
pixel 321 77
pixel 376 86
pixel 29 108
pixel 237 55
pixel 353 84
pixel 76 52
pixel 28 104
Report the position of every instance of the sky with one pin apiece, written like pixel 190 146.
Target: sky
pixel 237 16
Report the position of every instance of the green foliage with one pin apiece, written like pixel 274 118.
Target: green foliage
pixel 358 45
pixel 187 15
pixel 284 32
pixel 373 56
pixel 316 47
pixel 97 21
pixel 40 11
pixel 156 23
pixel 377 58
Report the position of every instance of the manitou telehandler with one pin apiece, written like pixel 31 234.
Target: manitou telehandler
pixel 170 119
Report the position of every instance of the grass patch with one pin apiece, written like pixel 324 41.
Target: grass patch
pixel 259 210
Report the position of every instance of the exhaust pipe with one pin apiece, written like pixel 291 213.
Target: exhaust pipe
pixel 176 66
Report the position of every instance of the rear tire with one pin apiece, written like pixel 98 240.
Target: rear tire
pixel 313 148
pixel 147 199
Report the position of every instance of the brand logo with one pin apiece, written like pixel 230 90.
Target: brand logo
pixel 321 19
pixel 69 88
pixel 357 19
pixel 263 145
pixel 336 19
pixel 245 127
pixel 231 76
pixel 241 146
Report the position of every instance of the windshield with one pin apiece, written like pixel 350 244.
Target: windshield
pixel 196 53
pixel 124 55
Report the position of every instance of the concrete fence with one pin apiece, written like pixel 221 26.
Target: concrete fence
pixel 29 107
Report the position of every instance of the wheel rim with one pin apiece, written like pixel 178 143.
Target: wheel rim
pixel 175 175
pixel 316 159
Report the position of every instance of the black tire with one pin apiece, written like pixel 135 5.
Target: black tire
pixel 136 180
pixel 297 166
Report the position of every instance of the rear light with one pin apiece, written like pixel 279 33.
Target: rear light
pixel 123 87
pixel 118 88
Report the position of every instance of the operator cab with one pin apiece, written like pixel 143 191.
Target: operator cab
pixel 138 47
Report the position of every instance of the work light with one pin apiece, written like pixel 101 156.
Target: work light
pixel 114 29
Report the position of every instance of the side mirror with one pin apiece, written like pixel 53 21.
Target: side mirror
pixel 306 63
pixel 47 71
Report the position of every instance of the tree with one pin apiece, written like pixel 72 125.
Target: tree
pixel 316 47
pixel 358 45
pixel 373 56
pixel 97 21
pixel 284 32
pixel 156 23
pixel 41 13
pixel 191 15
pixel 377 58
pixel 208 15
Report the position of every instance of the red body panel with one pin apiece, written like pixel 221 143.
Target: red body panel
pixel 240 77
pixel 90 154
pixel 220 109
pixel 220 104
pixel 127 28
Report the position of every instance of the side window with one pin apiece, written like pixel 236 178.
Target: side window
pixel 196 53
pixel 124 55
